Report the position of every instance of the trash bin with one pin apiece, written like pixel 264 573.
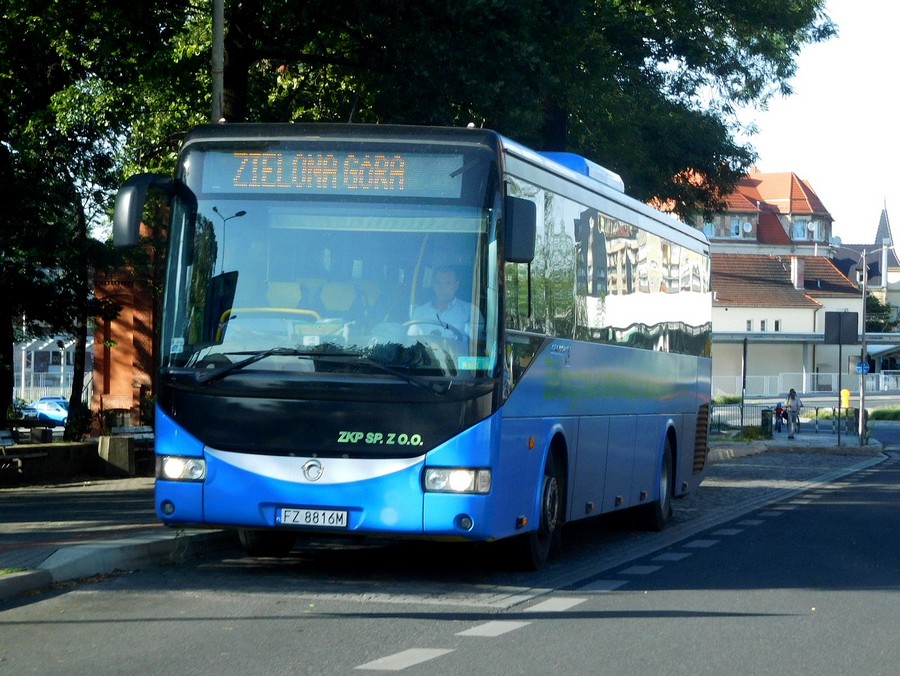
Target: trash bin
pixel 766 422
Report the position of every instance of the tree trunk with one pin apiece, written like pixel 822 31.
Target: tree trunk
pixel 7 351
pixel 73 430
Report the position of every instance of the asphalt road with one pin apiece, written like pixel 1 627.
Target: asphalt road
pixel 783 563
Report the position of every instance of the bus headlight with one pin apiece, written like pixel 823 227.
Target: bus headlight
pixel 177 468
pixel 457 480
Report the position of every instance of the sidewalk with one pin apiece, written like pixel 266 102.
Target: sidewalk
pixel 66 531
pixel 52 533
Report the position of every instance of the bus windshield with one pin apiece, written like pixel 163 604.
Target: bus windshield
pixel 304 258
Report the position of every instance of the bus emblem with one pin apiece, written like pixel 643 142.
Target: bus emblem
pixel 313 470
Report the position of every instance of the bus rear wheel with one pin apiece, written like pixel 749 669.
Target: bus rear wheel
pixel 267 542
pixel 654 516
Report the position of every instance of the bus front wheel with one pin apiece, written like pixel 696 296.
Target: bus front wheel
pixel 531 550
pixel 267 542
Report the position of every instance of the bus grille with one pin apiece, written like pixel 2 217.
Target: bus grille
pixel 701 439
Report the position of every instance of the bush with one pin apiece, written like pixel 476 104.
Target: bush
pixel 15 409
pixel 885 413
pixel 727 399
pixel 752 433
pixel 78 424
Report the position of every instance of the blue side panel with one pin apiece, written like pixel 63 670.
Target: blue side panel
pixel 516 466
pixel 623 401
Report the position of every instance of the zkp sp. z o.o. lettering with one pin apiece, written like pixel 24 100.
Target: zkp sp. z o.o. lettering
pixel 374 438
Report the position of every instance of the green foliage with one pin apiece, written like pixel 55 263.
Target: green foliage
pixel 752 433
pixel 647 88
pixel 14 411
pixel 148 409
pixel 726 399
pixel 885 413
pixel 93 92
pixel 78 424
pixel 881 316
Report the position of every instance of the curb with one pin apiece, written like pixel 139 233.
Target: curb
pixel 105 558
pixel 726 451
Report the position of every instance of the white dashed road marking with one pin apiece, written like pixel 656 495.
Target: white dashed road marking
pixel 640 570
pixel 556 605
pixel 495 628
pixel 404 659
pixel 672 556
pixel 603 585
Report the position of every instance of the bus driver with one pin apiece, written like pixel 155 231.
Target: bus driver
pixel 445 314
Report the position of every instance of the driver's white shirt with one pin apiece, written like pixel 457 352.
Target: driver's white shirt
pixel 457 314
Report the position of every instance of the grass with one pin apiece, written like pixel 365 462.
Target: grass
pixel 10 571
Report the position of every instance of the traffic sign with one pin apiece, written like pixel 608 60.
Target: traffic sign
pixel 862 367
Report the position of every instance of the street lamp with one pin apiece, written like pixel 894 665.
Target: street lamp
pixel 863 362
pixel 225 219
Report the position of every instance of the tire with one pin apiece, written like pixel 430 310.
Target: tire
pixel 654 516
pixel 531 550
pixel 267 542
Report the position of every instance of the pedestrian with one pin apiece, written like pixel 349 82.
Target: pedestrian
pixel 793 407
pixel 779 415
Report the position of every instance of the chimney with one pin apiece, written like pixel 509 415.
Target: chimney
pixel 798 266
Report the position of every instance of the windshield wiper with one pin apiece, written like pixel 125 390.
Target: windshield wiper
pixel 210 375
pixel 206 376
pixel 424 383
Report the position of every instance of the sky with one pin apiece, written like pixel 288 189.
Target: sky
pixel 839 130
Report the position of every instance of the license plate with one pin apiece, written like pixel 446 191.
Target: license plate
pixel 315 518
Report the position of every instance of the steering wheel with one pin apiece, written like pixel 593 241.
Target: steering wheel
pixel 212 361
pixel 457 334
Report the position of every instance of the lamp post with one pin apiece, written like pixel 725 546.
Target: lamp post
pixel 863 362
pixel 225 219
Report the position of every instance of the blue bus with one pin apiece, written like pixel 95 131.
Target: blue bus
pixel 419 332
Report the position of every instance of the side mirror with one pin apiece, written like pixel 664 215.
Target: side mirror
pixel 521 229
pixel 129 208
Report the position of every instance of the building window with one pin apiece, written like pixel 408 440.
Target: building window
pixel 709 229
pixel 749 324
pixel 735 227
pixel 800 230
pixel 777 325
pixel 762 324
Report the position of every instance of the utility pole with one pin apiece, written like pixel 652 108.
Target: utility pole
pixel 218 59
pixel 863 361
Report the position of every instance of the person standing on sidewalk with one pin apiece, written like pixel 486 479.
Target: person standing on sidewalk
pixel 793 407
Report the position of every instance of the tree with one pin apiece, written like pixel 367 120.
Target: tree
pixel 646 87
pixel 59 131
pixel 881 316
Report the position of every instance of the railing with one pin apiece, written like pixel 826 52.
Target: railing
pixel 39 385
pixel 808 383
pixel 734 416
pixel 724 417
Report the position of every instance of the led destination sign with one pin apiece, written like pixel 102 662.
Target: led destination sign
pixel 334 172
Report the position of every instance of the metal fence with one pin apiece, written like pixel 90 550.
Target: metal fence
pixel 37 385
pixel 730 417
pixel 807 383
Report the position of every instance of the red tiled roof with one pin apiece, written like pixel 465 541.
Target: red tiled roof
pixel 785 191
pixel 759 280
pixel 769 230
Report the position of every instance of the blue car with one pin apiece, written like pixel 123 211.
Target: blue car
pixel 49 409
